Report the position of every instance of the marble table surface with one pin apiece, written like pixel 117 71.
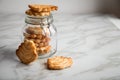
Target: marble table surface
pixel 93 42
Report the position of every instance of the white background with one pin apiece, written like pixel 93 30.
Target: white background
pixel 65 6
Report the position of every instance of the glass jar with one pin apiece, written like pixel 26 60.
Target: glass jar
pixel 43 33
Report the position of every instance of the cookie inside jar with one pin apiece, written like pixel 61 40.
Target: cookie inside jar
pixel 41 38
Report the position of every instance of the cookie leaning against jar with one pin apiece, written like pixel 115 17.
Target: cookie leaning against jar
pixel 26 52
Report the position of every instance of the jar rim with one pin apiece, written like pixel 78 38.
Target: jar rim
pixel 38 17
pixel 36 20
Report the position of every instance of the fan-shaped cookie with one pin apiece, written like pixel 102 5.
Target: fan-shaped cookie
pixel 27 52
pixel 59 62
pixel 42 8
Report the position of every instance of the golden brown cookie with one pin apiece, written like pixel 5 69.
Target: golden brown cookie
pixel 42 8
pixel 31 36
pixel 37 41
pixel 39 36
pixel 59 62
pixel 27 52
pixel 44 50
pixel 34 30
pixel 33 13
pixel 45 38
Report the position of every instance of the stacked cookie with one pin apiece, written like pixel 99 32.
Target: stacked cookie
pixel 40 10
pixel 41 40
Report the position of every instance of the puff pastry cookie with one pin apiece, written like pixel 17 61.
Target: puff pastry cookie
pixel 59 62
pixel 27 52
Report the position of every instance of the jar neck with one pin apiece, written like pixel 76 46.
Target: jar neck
pixel 39 20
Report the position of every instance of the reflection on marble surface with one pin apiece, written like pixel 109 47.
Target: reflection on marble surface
pixel 91 40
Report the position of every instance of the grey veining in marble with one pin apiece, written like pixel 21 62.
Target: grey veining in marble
pixel 91 40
